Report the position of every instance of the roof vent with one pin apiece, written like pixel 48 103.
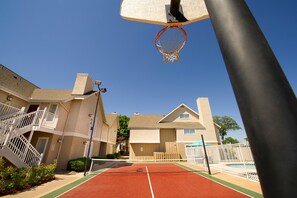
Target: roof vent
pixel 114 112
pixel 136 113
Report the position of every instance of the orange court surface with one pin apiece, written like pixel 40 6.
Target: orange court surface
pixel 151 180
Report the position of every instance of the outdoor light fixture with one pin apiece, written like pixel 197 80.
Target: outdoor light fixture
pixel 103 90
pixel 59 140
pixel 9 98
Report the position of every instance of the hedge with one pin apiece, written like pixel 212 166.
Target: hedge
pixel 14 179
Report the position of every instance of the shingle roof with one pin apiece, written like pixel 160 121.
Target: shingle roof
pixel 15 82
pixel 51 95
pixel 152 121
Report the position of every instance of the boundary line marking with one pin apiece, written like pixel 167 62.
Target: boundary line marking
pixel 63 190
pixel 149 180
pixel 229 185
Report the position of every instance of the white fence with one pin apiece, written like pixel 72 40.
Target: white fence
pixel 234 159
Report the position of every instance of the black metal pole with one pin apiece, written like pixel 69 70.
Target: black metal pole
pixel 174 7
pixel 265 98
pixel 205 153
pixel 92 131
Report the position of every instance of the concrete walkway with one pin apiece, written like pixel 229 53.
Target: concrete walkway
pixel 236 180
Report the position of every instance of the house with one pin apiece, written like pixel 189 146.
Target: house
pixel 169 134
pixel 42 125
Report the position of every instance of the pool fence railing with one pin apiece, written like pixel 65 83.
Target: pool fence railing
pixel 221 156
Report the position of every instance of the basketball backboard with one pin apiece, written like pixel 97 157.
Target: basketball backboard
pixel 157 11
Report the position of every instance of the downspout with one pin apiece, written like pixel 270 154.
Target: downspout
pixel 63 134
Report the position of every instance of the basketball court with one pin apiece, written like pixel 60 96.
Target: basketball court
pixel 151 180
pixel 173 180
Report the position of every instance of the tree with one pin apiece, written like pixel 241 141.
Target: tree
pixel 226 124
pixel 230 140
pixel 123 131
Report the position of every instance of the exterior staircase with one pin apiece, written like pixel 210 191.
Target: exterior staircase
pixel 14 146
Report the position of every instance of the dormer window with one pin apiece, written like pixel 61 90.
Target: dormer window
pixel 184 116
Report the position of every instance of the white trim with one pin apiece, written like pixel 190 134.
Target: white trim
pixel 139 141
pixel 48 130
pixel 75 134
pixel 178 108
pixel 70 134
pixel 195 140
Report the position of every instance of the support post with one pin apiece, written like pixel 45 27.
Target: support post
pixel 205 153
pixel 265 98
pixel 92 131
pixel 174 14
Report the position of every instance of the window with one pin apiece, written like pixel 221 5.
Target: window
pixel 189 131
pixel 184 116
pixel 41 144
pixel 51 112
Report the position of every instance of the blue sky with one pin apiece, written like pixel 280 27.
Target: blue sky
pixel 49 42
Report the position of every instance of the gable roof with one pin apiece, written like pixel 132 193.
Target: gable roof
pixel 15 84
pixel 151 121
pixel 181 105
pixel 51 95
pixel 111 118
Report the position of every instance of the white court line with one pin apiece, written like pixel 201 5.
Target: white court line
pixel 149 180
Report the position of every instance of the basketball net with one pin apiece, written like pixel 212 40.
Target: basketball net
pixel 169 41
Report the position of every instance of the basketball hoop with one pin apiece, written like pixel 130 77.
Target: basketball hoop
pixel 169 41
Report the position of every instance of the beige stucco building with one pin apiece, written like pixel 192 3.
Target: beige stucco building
pixel 40 124
pixel 169 134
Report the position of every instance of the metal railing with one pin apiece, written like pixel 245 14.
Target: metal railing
pixel 236 159
pixel 7 111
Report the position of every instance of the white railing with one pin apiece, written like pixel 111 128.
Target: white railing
pixel 4 132
pixel 11 139
pixel 25 120
pixel 231 158
pixel 23 149
pixel 7 111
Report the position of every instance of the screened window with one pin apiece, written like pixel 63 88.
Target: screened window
pixel 189 131
pixel 184 116
pixel 51 112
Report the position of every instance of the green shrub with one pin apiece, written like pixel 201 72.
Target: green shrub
pixel 117 155
pixel 13 179
pixel 110 156
pixel 78 164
